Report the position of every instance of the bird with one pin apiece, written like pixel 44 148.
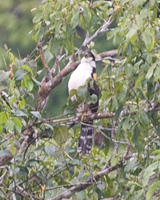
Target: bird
pixel 85 74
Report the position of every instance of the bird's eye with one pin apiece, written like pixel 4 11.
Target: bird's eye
pixel 86 55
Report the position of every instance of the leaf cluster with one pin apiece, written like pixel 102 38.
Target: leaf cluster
pixel 129 85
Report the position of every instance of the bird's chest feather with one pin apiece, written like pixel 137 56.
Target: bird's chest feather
pixel 80 76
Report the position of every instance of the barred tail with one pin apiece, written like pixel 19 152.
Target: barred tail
pixel 85 139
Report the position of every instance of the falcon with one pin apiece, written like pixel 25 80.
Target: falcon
pixel 85 74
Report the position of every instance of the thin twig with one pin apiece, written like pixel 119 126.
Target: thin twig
pixel 58 58
pixel 47 70
pixel 88 39
pixel 2 178
pixel 48 82
pixel 19 190
pixel 107 163
pixel 68 155
pixel 68 193
pixel 113 134
pixel 98 115
pixel 113 140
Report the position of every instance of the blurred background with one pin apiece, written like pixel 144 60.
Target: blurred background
pixel 15 25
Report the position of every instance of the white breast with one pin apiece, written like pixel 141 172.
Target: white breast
pixel 80 76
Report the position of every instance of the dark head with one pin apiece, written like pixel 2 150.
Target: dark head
pixel 89 54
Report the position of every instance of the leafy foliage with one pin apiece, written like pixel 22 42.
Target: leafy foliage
pixel 129 85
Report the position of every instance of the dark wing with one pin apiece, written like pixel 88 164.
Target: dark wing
pixel 94 89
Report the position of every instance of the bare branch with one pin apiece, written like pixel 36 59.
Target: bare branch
pixel 58 57
pixel 114 198
pixel 28 136
pixel 80 187
pixel 105 54
pixel 48 83
pixel 73 64
pixel 23 193
pixel 93 116
pixel 88 39
pixel 113 140
pixel 47 70
pixel 64 72
pixel 4 96
pixel 2 178
pixel 113 134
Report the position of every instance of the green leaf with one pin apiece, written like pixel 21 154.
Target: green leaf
pixel 152 2
pixel 149 38
pixel 13 148
pixel 114 103
pixel 136 134
pixel 12 100
pixel 36 114
pixel 126 125
pixel 20 74
pixel 3 117
pixel 143 118
pixel 151 189
pixel 157 74
pixel 118 111
pixel 36 82
pixel 132 35
pixel 18 124
pixel 54 46
pixel 131 165
pixel 4 80
pixel 9 125
pixel 149 171
pixel 37 18
pixel 137 195
pixel 20 113
pixel 50 150
pixel 139 80
pixel 48 56
pixel 27 83
pixel 75 18
pixel 21 171
pixel 101 186
pixel 157 151
pixel 81 195
pixel 150 71
pixel 93 99
pixel 27 68
pixel 82 91
pixel 60 135
pixel 31 163
pixel 21 103
pixel 5 153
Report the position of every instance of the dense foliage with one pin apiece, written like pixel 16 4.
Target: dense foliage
pixel 130 91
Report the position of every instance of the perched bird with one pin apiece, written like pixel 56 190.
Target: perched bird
pixel 85 73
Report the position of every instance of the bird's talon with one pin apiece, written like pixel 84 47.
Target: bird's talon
pixel 83 116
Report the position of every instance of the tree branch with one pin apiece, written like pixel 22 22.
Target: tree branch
pixel 47 69
pixel 23 193
pixel 105 54
pixel 48 82
pixel 2 178
pixel 70 121
pixel 88 39
pixel 68 193
pixel 56 61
